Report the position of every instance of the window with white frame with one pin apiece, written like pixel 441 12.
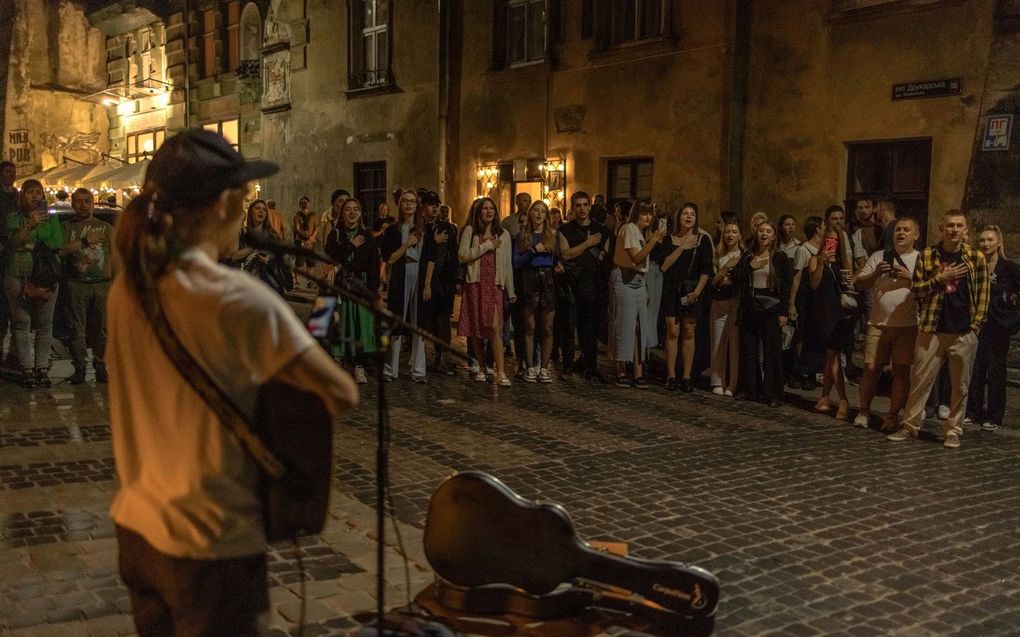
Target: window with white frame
pixel 370 43
pixel 228 128
pixel 633 20
pixel 526 31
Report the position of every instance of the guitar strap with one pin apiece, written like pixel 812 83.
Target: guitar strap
pixel 222 405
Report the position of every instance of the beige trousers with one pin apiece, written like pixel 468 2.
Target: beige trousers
pixel 929 352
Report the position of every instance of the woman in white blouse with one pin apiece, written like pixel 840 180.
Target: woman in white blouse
pixel 629 308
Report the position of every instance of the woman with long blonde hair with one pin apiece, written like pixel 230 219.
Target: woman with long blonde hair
pixel 989 370
pixel 723 317
pixel 401 249
pixel 763 277
pixel 534 259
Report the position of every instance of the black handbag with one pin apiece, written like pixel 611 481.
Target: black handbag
pixel 763 300
pixel 291 441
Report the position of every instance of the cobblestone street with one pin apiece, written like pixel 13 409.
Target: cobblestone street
pixel 812 526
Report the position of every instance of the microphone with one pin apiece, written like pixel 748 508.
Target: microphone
pixel 261 240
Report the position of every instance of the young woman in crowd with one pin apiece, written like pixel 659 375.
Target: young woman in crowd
pixel 807 359
pixel 993 340
pixel 763 277
pixel 268 267
pixel 306 231
pixel 484 248
pixel 725 336
pixel 352 246
pixel 533 258
pixel 685 259
pixel 31 307
pixel 401 248
pixel 629 296
pixel 830 325
pixel 756 220
pixel 788 243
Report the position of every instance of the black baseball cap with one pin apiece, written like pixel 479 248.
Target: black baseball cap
pixel 430 198
pixel 196 165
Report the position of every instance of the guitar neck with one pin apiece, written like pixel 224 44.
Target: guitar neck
pixel 685 589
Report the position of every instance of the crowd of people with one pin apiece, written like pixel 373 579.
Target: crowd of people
pixel 740 311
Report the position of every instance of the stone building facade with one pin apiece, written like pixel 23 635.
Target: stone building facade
pixel 52 59
pixel 746 105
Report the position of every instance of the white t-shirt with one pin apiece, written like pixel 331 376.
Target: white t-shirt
pixel 186 484
pixel 804 253
pixel 892 304
pixel 630 238
pixel 790 248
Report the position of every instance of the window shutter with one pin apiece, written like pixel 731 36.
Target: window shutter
pixel 500 18
pixel 602 24
pixel 554 24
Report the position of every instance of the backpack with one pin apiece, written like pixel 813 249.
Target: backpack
pixel 47 270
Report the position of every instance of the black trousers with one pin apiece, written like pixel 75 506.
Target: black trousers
pixel 563 332
pixel 989 373
pixel 180 597
pixel 588 312
pixel 761 339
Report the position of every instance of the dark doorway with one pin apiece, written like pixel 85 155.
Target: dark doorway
pixel 370 187
pixel 901 168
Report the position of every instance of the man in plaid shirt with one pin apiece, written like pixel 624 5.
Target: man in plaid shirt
pixel 951 289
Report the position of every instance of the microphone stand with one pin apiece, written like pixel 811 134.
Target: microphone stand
pixel 386 323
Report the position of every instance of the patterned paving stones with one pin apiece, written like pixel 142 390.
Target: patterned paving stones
pixel 813 527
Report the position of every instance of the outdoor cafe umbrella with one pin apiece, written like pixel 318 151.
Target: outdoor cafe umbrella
pixel 88 175
pixel 55 177
pixel 42 174
pixel 126 176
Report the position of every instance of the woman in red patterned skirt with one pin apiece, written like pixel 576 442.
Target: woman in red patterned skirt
pixel 485 250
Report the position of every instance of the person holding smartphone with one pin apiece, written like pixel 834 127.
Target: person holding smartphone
pixel 29 226
pixel 830 324
pixel 892 322
pixel 685 259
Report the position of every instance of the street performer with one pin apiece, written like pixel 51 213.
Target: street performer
pixel 187 514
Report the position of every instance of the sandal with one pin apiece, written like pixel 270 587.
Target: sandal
pixel 823 405
pixel 640 383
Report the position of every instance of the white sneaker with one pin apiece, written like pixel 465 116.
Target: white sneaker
pixel 530 375
pixel 943 412
pixel 479 376
pixel 489 371
pixel 989 426
pixel 952 441
pixel 718 391
pixel 544 376
pixel 728 393
pixel 861 420
pixel 475 368
pixel 967 420
pixel 503 381
pixel 360 377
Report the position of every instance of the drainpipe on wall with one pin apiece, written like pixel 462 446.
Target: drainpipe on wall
pixel 444 91
pixel 738 105
pixel 187 64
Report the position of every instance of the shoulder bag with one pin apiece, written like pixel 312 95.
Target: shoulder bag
pixel 291 441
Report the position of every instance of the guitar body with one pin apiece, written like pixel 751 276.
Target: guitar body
pixel 480 532
pixel 297 427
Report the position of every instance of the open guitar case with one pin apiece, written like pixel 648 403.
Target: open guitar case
pixel 508 566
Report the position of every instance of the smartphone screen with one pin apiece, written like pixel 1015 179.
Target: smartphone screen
pixel 662 224
pixel 322 316
pixel 830 244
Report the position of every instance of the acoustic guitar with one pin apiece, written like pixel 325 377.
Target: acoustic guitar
pixel 480 532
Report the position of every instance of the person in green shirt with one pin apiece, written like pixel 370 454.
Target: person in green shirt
pixel 87 260
pixel 30 225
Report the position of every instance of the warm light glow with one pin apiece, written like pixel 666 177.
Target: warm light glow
pixel 160 101
pixel 147 145
pixel 109 102
pixel 126 108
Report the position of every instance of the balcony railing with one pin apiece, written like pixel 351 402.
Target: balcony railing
pixel 369 79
